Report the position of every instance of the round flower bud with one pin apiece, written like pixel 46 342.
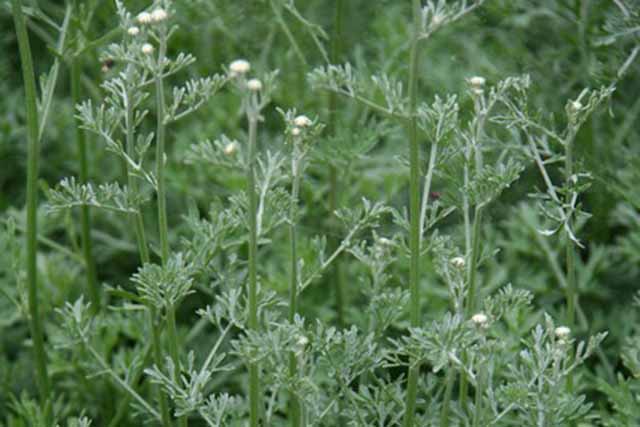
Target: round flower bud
pixel 147 48
pixel 239 67
pixel 302 121
pixel 254 85
pixel 562 332
pixel 437 20
pixel 576 106
pixel 144 18
pixel 480 320
pixel 230 148
pixel 159 15
pixel 296 131
pixel 302 341
pixel 133 31
pixel 458 262
pixel 384 241
pixel 477 81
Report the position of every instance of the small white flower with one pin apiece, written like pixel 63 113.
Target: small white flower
pixel 230 148
pixel 302 342
pixel 147 48
pixel 562 332
pixel 239 67
pixel 133 31
pixel 458 262
pixel 480 320
pixel 437 20
pixel 576 106
pixel 254 85
pixel 296 131
pixel 159 15
pixel 144 18
pixel 477 81
pixel 302 121
pixel 384 241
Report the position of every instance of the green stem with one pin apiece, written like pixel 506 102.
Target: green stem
pixel 414 209
pixel 33 154
pixel 160 156
pixel 446 404
pixel 254 377
pixel 473 260
pixel 296 165
pixel 85 218
pixel 158 360
pixel 570 251
pixel 336 52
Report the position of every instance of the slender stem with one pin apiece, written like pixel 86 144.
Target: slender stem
pixel 157 358
pixel 427 187
pixel 473 260
pixel 254 373
pixel 336 52
pixel 414 209
pixel 85 218
pixel 296 166
pixel 446 404
pixel 33 154
pixel 163 228
pixel 160 155
pixel 570 250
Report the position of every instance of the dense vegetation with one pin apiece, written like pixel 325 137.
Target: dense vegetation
pixel 319 213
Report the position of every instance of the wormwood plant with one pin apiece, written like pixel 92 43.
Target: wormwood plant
pixel 217 215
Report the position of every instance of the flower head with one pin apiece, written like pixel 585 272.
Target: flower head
pixel 230 148
pixel 458 262
pixel 159 15
pixel 239 67
pixel 562 332
pixel 480 320
pixel 147 48
pixel 144 18
pixel 133 31
pixel 254 85
pixel 296 131
pixel 302 121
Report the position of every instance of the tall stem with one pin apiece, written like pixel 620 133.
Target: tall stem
pixel 160 156
pixel 336 52
pixel 295 408
pixel 85 218
pixel 33 154
pixel 414 210
pixel 570 251
pixel 446 404
pixel 254 373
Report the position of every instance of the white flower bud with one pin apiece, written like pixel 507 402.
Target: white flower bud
pixel 147 48
pixel 480 320
pixel 254 85
pixel 230 148
pixel 562 332
pixel 144 18
pixel 437 20
pixel 133 31
pixel 302 121
pixel 576 106
pixel 458 262
pixel 477 81
pixel 384 241
pixel 159 15
pixel 302 341
pixel 296 131
pixel 239 67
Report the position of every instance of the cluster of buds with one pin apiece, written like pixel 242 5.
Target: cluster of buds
pixel 562 334
pixel 239 69
pixel 300 123
pixel 477 84
pixel 480 320
pixel 458 262
pixel 156 16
